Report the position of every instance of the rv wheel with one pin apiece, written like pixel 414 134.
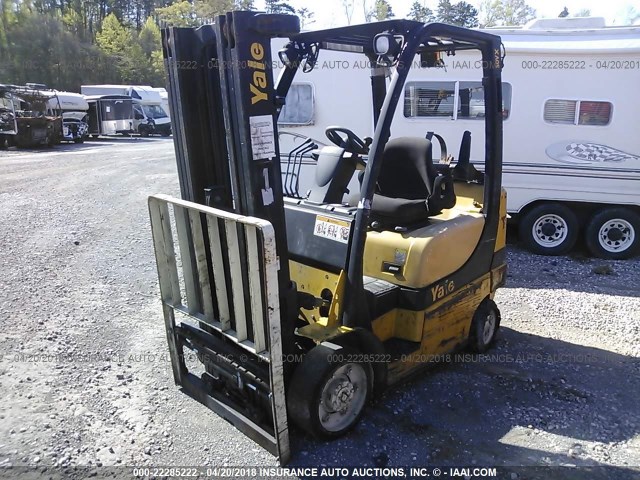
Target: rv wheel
pixel 484 326
pixel 329 390
pixel 4 143
pixel 549 229
pixel 613 233
pixel 79 140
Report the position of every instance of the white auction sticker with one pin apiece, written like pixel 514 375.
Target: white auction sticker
pixel 263 144
pixel 337 230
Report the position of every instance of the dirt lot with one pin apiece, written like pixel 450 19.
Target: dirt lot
pixel 85 380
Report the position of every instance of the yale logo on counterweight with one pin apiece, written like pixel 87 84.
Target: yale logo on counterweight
pixel 258 86
pixel 439 291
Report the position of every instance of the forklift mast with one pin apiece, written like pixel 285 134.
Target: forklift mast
pixel 222 74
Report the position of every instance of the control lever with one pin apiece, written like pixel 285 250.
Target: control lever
pixel 309 302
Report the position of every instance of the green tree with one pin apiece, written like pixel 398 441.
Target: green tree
pixel 505 12
pixel 179 14
pixel 462 13
pixel 41 50
pixel 420 13
pixel 208 10
pixel 274 6
pixel 152 64
pixel 116 41
pixel 113 39
pixel 149 37
pixel 382 10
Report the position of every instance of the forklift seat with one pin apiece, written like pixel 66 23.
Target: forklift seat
pixel 410 189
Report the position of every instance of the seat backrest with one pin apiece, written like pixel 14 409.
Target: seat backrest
pixel 333 173
pixel 407 169
pixel 464 169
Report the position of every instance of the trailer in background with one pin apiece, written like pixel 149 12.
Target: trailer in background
pixel 570 107
pixel 149 117
pixel 110 115
pixel 164 97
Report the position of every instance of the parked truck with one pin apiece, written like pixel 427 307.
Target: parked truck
pixel 149 117
pixel 570 106
pixel 8 125
pixel 37 123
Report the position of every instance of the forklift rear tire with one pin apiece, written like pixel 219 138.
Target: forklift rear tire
pixel 484 326
pixel 329 390
pixel 549 229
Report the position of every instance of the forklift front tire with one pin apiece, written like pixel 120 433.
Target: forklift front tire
pixel 484 326
pixel 329 390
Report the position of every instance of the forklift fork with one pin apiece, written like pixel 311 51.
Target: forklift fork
pixel 237 342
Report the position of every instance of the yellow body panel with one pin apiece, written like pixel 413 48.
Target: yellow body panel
pixel 399 323
pixel 313 280
pixel 446 327
pixel 434 251
pixel 428 255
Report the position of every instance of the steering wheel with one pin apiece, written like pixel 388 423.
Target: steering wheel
pixel 345 138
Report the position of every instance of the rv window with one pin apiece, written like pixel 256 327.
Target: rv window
pixel 429 99
pixel 437 99
pixel 594 113
pixel 471 100
pixel 298 108
pixel 588 113
pixel 560 111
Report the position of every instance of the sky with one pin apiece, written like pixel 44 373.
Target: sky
pixel 330 13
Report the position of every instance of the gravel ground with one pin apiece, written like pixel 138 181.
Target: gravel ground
pixel 85 379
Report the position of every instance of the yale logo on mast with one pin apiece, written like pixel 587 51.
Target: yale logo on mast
pixel 258 85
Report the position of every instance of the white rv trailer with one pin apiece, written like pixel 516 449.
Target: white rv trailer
pixel 149 117
pixel 164 97
pixel 570 107
pixel 74 109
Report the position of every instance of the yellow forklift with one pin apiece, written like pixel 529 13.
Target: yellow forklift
pixel 303 309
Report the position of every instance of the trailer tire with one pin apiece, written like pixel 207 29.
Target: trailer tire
pixel 329 390
pixel 484 326
pixel 613 233
pixel 549 229
pixel 78 140
pixel 144 131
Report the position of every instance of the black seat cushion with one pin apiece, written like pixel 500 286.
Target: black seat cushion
pixel 410 189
